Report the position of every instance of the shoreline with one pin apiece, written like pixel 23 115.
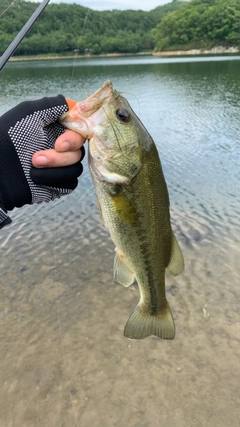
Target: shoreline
pixel 217 50
pixel 88 55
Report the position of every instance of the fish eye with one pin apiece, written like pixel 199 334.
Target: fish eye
pixel 123 115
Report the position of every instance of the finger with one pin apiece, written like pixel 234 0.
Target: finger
pixel 51 158
pixel 69 141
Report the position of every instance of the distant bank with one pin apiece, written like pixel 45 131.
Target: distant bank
pixel 214 51
pixel 88 55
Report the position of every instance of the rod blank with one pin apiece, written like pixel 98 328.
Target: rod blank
pixel 13 46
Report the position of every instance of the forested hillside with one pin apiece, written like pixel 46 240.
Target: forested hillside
pixel 62 28
pixel 67 28
pixel 200 24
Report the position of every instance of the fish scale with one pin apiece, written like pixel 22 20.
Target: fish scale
pixel 134 204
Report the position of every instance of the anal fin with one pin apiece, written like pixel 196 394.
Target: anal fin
pixel 121 272
pixel 176 263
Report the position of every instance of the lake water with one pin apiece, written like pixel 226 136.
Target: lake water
pixel 63 359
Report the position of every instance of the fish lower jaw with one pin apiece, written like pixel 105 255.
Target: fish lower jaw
pixel 82 130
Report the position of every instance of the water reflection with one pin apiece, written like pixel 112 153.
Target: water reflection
pixel 63 359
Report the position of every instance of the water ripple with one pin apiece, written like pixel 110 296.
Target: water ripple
pixel 63 357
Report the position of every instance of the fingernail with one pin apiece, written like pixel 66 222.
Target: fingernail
pixel 65 146
pixel 41 160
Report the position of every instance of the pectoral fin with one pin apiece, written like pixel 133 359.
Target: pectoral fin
pixel 121 272
pixel 176 264
pixel 123 207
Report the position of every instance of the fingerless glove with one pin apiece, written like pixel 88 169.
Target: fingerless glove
pixel 29 127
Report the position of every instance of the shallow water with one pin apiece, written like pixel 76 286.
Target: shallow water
pixel 63 358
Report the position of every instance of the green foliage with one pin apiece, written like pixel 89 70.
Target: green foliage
pixel 201 23
pixel 65 28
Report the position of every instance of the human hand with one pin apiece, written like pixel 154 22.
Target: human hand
pixel 54 164
pixel 66 151
pixel 28 131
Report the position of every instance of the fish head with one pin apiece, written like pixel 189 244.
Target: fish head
pixel 82 118
pixel 117 138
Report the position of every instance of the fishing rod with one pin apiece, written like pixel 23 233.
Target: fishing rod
pixel 22 33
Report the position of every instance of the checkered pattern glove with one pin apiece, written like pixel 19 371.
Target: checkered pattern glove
pixel 29 127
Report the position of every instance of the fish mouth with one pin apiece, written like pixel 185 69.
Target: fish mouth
pixel 96 100
pixel 77 118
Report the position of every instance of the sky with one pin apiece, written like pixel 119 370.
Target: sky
pixel 115 4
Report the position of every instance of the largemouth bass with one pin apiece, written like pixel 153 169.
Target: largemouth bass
pixel 134 204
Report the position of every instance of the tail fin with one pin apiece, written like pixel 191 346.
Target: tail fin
pixel 142 324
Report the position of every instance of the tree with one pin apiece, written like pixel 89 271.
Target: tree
pixel 201 23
